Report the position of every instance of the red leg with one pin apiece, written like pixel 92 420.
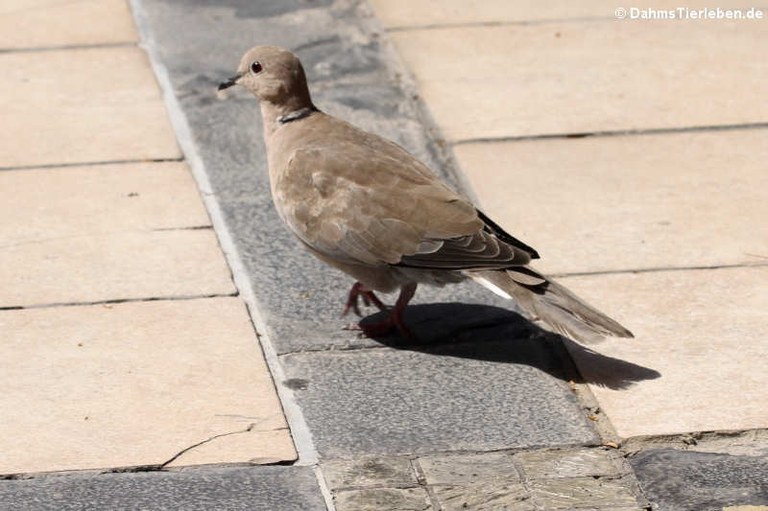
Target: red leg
pixel 395 319
pixel 359 291
pixel 370 298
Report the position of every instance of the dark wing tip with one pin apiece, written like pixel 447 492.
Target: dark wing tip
pixel 504 236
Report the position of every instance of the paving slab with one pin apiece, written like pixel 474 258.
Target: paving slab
pixel 136 384
pixel 582 492
pixel 494 81
pixel 469 468
pixel 378 471
pixel 97 199
pixel 384 499
pixel 541 479
pixel 226 489
pixel 703 330
pixel 107 104
pixel 409 14
pixel 631 202
pixel 686 481
pixel 462 397
pixel 106 232
pixel 576 462
pixel 113 266
pixel 485 496
pixel 50 23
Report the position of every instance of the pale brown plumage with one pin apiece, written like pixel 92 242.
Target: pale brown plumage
pixel 364 205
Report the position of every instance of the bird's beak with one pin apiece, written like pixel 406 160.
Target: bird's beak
pixel 230 82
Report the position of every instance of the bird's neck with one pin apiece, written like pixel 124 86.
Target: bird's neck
pixel 275 115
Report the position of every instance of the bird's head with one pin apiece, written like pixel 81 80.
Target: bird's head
pixel 273 75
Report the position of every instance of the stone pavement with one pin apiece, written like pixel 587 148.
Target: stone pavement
pixel 134 377
pixel 124 342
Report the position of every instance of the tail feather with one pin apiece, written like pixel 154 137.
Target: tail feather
pixel 547 300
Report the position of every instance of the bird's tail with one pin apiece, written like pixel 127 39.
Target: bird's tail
pixel 547 300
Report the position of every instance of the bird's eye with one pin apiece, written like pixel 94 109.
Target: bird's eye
pixel 256 67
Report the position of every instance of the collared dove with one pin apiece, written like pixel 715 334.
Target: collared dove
pixel 369 208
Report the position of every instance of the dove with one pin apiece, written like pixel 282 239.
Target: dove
pixel 364 205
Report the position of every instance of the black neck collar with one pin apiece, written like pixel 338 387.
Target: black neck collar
pixel 296 115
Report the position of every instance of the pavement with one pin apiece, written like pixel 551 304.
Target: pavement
pixel 166 345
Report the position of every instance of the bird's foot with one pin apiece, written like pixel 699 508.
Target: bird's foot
pixel 357 292
pixel 395 318
pixel 380 328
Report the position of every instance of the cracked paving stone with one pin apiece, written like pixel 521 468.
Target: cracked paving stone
pixel 580 462
pixel 580 492
pixel 469 468
pixel 383 471
pixel 383 499
pixel 484 496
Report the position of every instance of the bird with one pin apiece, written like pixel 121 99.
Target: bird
pixel 366 206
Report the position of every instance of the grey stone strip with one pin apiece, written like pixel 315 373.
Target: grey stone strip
pixel 677 480
pixel 263 488
pixel 471 397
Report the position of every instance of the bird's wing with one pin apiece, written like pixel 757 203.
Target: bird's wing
pixel 364 200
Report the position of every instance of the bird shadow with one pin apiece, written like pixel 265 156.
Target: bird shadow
pixel 483 332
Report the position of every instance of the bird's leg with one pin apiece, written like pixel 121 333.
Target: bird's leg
pixel 359 290
pixel 395 319
pixel 370 298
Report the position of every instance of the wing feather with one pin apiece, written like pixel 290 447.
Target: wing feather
pixel 365 200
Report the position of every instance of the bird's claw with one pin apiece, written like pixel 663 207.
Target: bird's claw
pixel 357 292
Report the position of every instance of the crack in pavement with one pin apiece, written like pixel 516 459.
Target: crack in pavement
pixel 176 456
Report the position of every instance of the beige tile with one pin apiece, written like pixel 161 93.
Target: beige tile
pixel 704 330
pixel 135 384
pixel 105 232
pixel 46 23
pixel 113 266
pixel 516 80
pixel 420 13
pixel 98 199
pixel 612 203
pixel 87 105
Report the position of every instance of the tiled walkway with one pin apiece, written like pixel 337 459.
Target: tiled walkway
pixel 630 154
pixel 123 343
pixel 661 227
